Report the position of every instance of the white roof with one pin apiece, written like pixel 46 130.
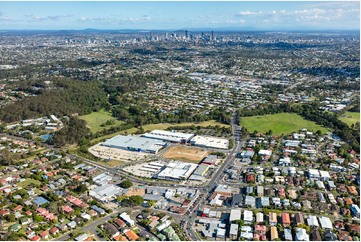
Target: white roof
pixel 325 222
pixel 324 174
pixel 301 235
pixel 313 172
pixel 126 218
pixel 246 232
pixel 265 152
pixel 312 221
pixel 234 229
pixel 248 215
pixel 211 142
pixel 102 177
pixel 134 143
pixel 221 232
pixel 177 170
pixel 168 135
pixel 216 200
pixel 81 237
pixel 235 214
pixel 105 192
pixel 259 217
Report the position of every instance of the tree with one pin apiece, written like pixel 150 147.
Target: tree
pixel 81 188
pixel 151 203
pixel 126 184
pixel 10 217
pixel 132 201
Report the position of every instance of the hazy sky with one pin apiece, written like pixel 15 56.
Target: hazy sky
pixel 179 15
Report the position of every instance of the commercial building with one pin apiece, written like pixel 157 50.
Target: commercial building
pixel 210 142
pixel 177 171
pixel 199 172
pixel 170 136
pixel 105 193
pixel 211 160
pixel 102 179
pixel 133 143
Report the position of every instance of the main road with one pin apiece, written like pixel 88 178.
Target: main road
pixel 206 191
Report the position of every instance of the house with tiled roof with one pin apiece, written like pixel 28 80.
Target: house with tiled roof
pixel 44 234
pixel 66 209
pixel 35 238
pixel 131 235
pixel 352 190
pixel 54 230
pixel 286 221
pixel 344 236
pixel 272 219
pixel 120 238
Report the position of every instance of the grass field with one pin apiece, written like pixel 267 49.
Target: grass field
pixel 185 154
pixel 96 119
pixel 350 118
pixel 28 182
pixel 279 123
pixel 161 126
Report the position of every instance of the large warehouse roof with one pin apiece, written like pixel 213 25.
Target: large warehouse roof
pixel 210 142
pixel 134 143
pixel 168 135
pixel 177 171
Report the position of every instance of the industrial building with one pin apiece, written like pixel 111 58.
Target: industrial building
pixel 170 136
pixel 177 171
pixel 210 142
pixel 133 143
pixel 199 172
pixel 105 193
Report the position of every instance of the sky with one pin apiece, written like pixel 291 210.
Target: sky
pixel 269 15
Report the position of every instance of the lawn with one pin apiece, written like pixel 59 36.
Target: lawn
pixel 28 182
pixel 185 154
pixel 96 119
pixel 162 126
pixel 350 118
pixel 279 123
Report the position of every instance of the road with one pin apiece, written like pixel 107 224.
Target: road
pixel 90 227
pixel 207 189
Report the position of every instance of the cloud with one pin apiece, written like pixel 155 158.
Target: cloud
pixel 4 18
pixel 321 15
pixel 34 18
pixel 249 13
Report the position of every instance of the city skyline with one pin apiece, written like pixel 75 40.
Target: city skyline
pixel 180 15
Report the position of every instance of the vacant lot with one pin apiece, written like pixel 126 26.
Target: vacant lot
pixel 350 118
pixel 25 184
pixel 185 154
pixel 279 123
pixel 96 119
